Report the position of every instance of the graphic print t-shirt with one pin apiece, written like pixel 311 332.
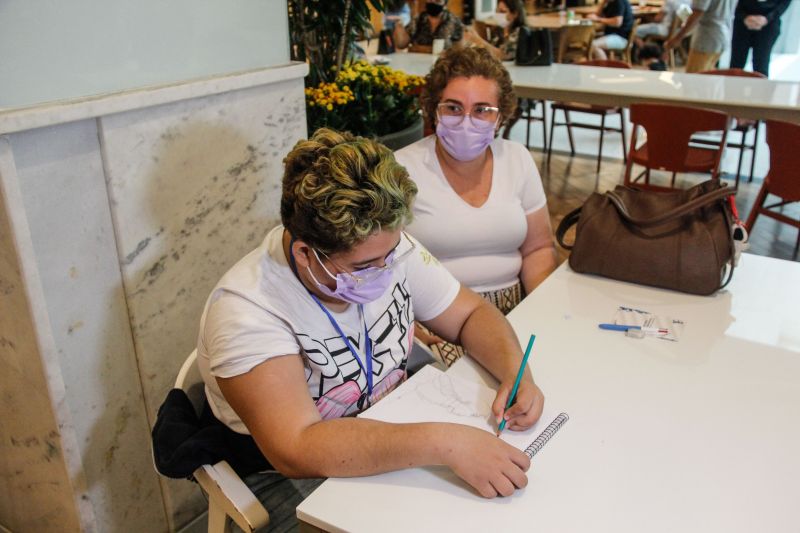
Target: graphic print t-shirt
pixel 260 310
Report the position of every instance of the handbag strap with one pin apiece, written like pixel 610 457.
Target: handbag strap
pixel 569 220
pixel 679 211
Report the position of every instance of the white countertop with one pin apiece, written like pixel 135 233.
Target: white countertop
pixel 50 113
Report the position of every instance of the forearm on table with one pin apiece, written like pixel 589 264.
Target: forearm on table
pixel 536 266
pixel 349 447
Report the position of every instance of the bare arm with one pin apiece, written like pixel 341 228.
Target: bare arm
pixel 273 401
pixel 687 27
pixel 400 36
pixel 538 251
pixel 487 336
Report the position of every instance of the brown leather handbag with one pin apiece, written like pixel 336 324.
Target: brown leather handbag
pixel 680 240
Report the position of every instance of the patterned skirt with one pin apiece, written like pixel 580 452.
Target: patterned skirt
pixel 503 299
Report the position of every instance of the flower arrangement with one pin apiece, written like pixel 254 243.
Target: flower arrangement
pixel 365 100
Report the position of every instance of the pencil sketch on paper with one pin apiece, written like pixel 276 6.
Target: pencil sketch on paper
pixel 442 392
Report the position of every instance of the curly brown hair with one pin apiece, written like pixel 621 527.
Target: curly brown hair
pixel 466 61
pixel 338 189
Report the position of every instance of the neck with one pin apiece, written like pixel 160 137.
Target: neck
pixel 305 279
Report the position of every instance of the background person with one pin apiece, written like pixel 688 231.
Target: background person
pixel 617 19
pixel 756 26
pixel 436 22
pixel 510 16
pixel 711 22
pixel 316 324
pixel 662 22
pixel 481 207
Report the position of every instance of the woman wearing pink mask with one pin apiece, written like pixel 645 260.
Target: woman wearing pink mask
pixel 481 208
pixel 316 324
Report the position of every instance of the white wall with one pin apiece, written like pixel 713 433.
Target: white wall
pixel 57 49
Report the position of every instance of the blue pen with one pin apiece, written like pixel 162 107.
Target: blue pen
pixel 513 395
pixel 625 327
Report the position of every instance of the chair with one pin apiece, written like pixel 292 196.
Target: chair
pixel 742 126
pixel 669 129
pixel 228 496
pixel 783 179
pixel 602 111
pixel 525 109
pixel 626 53
pixel 575 43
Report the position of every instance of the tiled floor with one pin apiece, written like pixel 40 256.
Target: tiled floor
pixel 568 181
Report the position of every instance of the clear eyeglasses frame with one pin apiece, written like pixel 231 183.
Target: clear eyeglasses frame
pixel 392 260
pixel 481 112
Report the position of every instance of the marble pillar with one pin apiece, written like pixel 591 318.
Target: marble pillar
pixel 113 230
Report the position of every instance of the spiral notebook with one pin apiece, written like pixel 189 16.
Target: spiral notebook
pixel 435 396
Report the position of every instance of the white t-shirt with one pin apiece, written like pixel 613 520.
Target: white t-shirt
pixel 479 245
pixel 260 310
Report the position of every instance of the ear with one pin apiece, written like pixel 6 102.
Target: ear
pixel 302 254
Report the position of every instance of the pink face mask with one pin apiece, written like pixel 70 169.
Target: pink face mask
pixel 467 140
pixel 359 287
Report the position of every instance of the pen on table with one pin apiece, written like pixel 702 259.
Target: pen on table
pixel 513 395
pixel 625 327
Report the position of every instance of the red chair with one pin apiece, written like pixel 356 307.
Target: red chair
pixel 742 125
pixel 783 178
pixel 601 110
pixel 669 129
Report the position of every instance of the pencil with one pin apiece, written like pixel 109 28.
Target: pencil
pixel 513 395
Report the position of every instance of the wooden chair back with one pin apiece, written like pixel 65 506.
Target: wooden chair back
pixel 575 43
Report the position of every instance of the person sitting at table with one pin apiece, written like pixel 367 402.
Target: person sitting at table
pixel 662 24
pixel 481 207
pixel 510 17
pixel 617 18
pixel 436 22
pixel 316 324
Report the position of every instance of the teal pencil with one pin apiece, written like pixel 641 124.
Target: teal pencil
pixel 513 395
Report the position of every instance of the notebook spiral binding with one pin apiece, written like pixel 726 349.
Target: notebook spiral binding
pixel 546 435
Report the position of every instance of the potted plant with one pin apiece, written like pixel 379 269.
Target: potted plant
pixel 368 100
pixel 344 93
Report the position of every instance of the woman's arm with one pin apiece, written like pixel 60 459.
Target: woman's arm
pixel 538 250
pixel 487 336
pixel 273 401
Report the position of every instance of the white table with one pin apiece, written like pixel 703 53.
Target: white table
pixel 698 435
pixel 742 97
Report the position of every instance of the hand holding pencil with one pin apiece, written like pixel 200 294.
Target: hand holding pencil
pixel 519 402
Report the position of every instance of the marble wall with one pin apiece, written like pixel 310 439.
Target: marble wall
pixel 132 218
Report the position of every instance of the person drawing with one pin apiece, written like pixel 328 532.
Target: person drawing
pixel 756 26
pixel 316 324
pixel 617 19
pixel 711 22
pixel 510 17
pixel 481 207
pixel 436 22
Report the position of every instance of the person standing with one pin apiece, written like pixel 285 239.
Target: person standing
pixel 756 25
pixel 711 22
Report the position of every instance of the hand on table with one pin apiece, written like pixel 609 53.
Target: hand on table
pixel 491 466
pixel 592 16
pixel 527 408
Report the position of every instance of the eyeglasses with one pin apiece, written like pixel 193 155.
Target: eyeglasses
pixel 484 113
pixel 365 275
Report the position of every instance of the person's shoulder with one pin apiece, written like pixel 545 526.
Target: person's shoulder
pixel 416 151
pixel 507 148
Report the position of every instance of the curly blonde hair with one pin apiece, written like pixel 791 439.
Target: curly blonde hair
pixel 338 189
pixel 466 61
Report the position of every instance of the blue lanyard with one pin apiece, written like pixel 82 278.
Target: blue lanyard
pixel 368 369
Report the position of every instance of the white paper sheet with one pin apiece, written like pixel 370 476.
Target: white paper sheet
pixel 434 396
